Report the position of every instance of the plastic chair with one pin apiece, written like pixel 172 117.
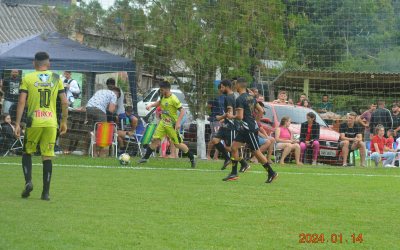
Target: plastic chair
pixel 104 135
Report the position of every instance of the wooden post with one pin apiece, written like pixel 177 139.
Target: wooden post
pixel 306 86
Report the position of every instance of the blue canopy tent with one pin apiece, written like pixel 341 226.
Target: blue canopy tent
pixel 66 54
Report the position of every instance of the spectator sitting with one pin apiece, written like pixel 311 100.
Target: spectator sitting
pixel 351 138
pixel 305 103
pixel 325 106
pixel 309 137
pixel 286 142
pixel 127 123
pixel 6 133
pixel 303 96
pixel 379 149
pixel 389 139
pixel 282 97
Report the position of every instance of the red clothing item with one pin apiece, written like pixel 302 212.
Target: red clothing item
pixel 308 136
pixel 389 142
pixel 381 143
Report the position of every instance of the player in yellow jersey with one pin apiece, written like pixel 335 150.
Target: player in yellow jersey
pixel 170 123
pixel 39 91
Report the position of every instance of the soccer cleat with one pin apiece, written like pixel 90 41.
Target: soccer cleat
pixel 244 168
pixel 231 177
pixel 45 196
pixel 226 163
pixel 193 163
pixel 27 191
pixel 142 160
pixel 271 177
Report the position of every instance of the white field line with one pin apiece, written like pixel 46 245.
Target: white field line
pixel 202 170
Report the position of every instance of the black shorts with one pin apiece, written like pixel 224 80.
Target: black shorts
pixel 250 138
pixel 227 135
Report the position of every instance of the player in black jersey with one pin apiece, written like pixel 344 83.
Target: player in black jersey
pixel 247 132
pixel 227 131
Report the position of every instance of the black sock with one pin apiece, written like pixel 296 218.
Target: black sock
pixel 190 155
pixel 222 149
pixel 234 167
pixel 27 167
pixel 243 163
pixel 268 168
pixel 47 171
pixel 149 151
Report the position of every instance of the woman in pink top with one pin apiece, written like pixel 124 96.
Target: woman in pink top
pixel 286 142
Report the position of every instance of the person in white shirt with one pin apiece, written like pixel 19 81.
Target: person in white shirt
pixel 120 102
pixel 72 88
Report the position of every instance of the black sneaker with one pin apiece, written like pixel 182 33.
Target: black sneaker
pixel 226 163
pixel 27 191
pixel 142 160
pixel 231 177
pixel 244 168
pixel 272 177
pixel 45 196
pixel 193 163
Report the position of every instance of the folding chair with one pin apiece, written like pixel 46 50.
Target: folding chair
pixel 104 135
pixel 136 139
pixel 18 144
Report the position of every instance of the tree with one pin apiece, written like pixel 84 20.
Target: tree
pixel 200 36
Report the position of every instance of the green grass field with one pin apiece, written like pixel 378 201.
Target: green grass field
pixel 96 204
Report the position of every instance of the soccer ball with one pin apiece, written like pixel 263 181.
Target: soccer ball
pixel 124 159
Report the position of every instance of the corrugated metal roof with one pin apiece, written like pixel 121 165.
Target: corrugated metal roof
pixel 22 21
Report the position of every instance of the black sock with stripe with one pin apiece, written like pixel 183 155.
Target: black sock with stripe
pixel 27 167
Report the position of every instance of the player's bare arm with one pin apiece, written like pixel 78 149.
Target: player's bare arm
pixel 20 111
pixel 64 113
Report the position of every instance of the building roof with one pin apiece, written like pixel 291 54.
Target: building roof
pixel 21 21
pixel 365 83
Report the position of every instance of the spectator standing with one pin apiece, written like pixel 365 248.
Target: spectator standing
pixel 325 106
pixel 381 116
pixel 309 137
pixel 120 102
pixel 11 90
pixel 72 88
pixel 351 138
pixel 379 148
pixel 396 119
pixel 96 109
pixel 102 101
pixel 365 118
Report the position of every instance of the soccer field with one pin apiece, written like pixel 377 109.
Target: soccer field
pixel 97 204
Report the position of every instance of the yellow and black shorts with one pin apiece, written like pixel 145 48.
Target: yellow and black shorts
pixel 44 136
